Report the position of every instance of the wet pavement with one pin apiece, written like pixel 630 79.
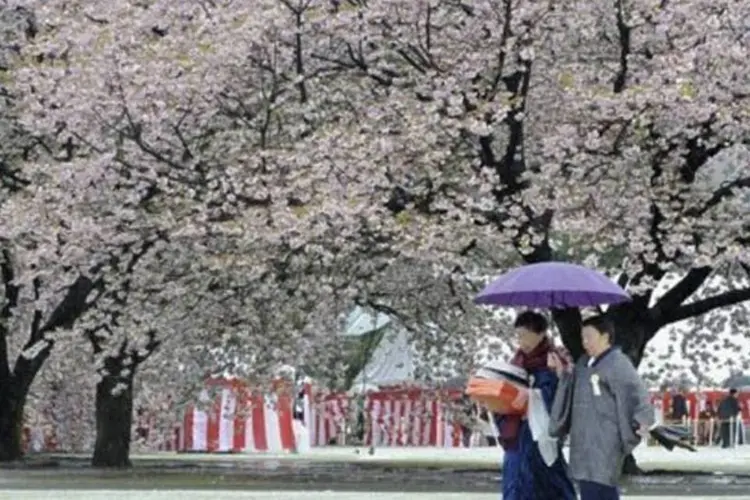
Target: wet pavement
pixel 272 495
pixel 267 474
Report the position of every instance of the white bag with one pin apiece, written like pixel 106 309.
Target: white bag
pixel 539 426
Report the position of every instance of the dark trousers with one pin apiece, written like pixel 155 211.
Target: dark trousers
pixel 596 491
pixel 466 436
pixel 725 435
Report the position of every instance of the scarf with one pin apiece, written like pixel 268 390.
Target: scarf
pixel 510 425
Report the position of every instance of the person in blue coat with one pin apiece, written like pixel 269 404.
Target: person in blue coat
pixel 526 474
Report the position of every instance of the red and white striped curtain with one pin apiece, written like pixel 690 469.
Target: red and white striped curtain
pixel 239 421
pixel 408 417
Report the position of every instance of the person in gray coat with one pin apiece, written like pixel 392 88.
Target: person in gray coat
pixel 603 405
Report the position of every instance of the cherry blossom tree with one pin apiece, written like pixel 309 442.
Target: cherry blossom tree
pixel 702 351
pixel 59 258
pixel 42 290
pixel 535 121
pixel 143 176
pixel 240 316
pixel 423 139
pixel 75 230
pixel 541 120
pixel 528 124
pixel 192 148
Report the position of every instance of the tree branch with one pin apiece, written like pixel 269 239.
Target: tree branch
pixel 113 364
pixel 623 31
pixel 542 251
pixel 725 191
pixel 655 231
pixel 703 306
pixel 151 346
pixel 502 52
pixel 37 318
pixel 700 150
pixel 386 309
pixel 121 299
pixel 679 293
pixel 623 280
pixel 10 293
pixel 90 334
pixel 513 164
pixel 70 308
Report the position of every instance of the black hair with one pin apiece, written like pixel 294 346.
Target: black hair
pixel 532 321
pixel 602 324
pixel 732 391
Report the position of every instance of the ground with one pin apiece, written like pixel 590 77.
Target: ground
pixel 713 459
pixel 266 495
pixel 341 473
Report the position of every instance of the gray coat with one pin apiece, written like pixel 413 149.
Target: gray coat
pixel 601 423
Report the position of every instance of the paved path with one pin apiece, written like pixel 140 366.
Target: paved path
pixel 298 478
pixel 266 495
pixel 713 459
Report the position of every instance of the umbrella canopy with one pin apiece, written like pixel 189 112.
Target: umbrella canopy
pixel 552 285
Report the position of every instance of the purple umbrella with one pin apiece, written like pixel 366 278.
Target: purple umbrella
pixel 552 285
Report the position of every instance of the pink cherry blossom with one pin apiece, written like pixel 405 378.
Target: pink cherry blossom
pixel 225 180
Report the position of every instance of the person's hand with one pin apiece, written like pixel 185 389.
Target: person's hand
pixel 554 362
pixel 642 431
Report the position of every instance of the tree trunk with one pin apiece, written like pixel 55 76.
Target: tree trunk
pixel 568 323
pixel 114 418
pixel 633 327
pixel 11 427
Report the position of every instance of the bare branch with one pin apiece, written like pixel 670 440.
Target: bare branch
pixel 703 306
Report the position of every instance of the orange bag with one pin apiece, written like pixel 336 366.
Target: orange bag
pixel 504 397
